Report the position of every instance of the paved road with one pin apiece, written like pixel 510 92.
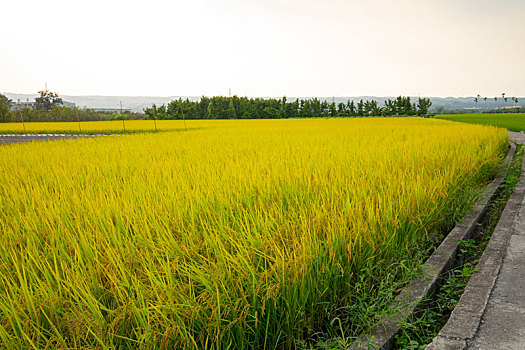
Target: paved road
pixel 517 136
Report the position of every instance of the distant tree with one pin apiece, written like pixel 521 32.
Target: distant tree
pixel 315 105
pixel 220 107
pixel 400 105
pixel 151 113
pixel 306 109
pixel 47 100
pixel 210 111
pixel 360 108
pixel 390 107
pixel 325 109
pixel 496 102
pixel 282 107
pixel 423 104
pixel 4 108
pixel 270 113
pixel 476 100
pixel 341 110
pixel 333 110
pixel 230 112
pixel 244 108
pixel 350 105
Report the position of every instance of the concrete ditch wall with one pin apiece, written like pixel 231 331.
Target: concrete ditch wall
pixel 491 312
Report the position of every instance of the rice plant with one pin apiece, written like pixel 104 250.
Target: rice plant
pixel 235 234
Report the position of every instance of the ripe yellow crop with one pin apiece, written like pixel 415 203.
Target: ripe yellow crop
pixel 235 234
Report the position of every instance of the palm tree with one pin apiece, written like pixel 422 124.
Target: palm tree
pixel 503 95
pixel 485 99
pixel 495 102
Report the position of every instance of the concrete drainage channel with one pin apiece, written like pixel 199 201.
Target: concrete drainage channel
pixel 6 139
pixel 415 296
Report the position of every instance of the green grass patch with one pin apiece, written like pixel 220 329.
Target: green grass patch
pixel 511 121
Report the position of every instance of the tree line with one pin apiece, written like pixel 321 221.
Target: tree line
pixel 220 107
pixel 504 97
pixel 48 109
pixel 62 114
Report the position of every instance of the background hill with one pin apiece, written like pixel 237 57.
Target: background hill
pixel 138 103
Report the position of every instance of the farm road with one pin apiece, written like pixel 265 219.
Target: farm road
pixel 503 323
pixel 15 138
pixel 491 311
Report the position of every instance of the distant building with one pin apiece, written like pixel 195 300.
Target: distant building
pixel 512 107
pixel 32 104
pixel 21 104
pixel 110 110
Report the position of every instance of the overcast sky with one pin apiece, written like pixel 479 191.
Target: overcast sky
pixel 264 47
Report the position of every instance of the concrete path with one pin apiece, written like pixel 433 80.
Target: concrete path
pixel 491 311
pixel 503 324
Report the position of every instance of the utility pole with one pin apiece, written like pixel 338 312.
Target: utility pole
pixel 155 118
pixel 21 116
pixel 122 115
pixel 78 120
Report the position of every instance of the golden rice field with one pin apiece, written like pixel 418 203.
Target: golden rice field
pixel 114 126
pixel 235 234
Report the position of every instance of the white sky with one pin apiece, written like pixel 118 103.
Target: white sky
pixel 264 47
